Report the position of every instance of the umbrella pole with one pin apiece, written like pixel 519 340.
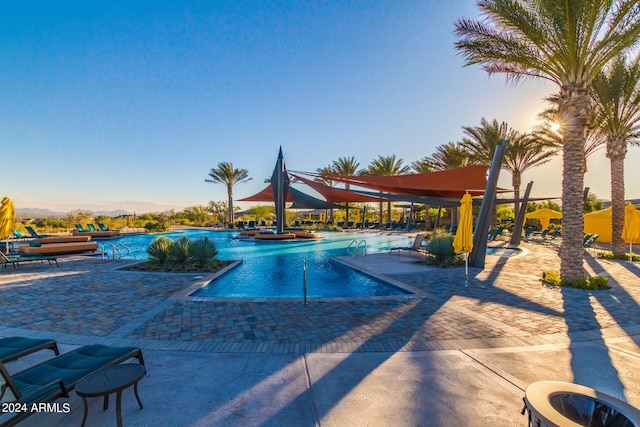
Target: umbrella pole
pixel 466 268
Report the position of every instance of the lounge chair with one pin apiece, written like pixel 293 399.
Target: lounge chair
pixel 91 227
pixel 416 247
pixel 15 260
pixel 13 348
pixel 103 227
pixel 81 229
pixel 527 232
pixel 33 232
pixel 589 243
pixel 555 234
pixel 58 376
pixel 19 235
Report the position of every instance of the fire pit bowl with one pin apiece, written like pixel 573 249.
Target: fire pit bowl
pixel 556 403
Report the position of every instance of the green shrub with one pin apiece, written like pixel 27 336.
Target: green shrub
pixel 552 277
pixel 179 252
pixel 625 257
pixel 440 251
pixel 594 283
pixel 158 250
pixel 203 252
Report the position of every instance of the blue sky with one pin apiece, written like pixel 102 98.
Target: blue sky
pixel 128 105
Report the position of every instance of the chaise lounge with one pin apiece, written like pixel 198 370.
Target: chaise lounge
pixel 56 377
pixel 416 247
pixel 13 348
pixel 15 260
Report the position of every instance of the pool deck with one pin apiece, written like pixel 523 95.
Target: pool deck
pixel 454 354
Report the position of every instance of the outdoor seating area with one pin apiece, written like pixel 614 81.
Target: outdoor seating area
pixel 55 377
pixel 94 232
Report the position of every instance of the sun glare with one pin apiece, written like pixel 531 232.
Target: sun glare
pixel 555 128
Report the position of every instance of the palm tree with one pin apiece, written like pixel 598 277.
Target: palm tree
pixel 481 141
pixel 549 130
pixel 568 43
pixel 386 166
pixel 421 166
pixel 524 152
pixel 227 175
pixel 324 177
pixel 446 156
pixel 345 166
pixel 616 95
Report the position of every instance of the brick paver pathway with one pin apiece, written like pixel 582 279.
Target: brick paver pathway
pixel 90 300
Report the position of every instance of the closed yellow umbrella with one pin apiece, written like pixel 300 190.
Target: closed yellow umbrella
pixel 630 228
pixel 463 241
pixel 545 216
pixel 6 219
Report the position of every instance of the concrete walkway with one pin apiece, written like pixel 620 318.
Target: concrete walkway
pixel 448 355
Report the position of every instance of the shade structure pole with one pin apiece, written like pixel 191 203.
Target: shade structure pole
pixel 479 252
pixel 277 181
pixel 516 235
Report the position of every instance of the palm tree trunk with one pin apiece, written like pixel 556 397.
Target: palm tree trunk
pixel 616 151
pixel 574 108
pixel 516 180
pixel 231 219
pixel 427 218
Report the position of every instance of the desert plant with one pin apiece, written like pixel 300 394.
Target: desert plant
pixel 594 283
pixel 440 251
pixel 159 250
pixel 179 252
pixel 203 252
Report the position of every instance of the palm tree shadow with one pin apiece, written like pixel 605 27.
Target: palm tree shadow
pixel 580 317
pixel 348 379
pixel 618 302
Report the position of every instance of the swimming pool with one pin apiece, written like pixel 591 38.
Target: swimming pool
pixel 275 269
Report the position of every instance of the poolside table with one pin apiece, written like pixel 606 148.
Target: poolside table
pixel 109 380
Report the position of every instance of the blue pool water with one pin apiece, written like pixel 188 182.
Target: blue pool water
pixel 275 269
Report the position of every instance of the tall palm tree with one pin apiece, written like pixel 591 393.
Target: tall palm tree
pixel 549 130
pixel 481 141
pixel 568 43
pixel 386 166
pixel 421 166
pixel 616 95
pixel 524 152
pixel 324 178
pixel 227 175
pixel 345 166
pixel 446 156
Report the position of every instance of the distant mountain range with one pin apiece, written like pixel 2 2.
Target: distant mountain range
pixel 42 213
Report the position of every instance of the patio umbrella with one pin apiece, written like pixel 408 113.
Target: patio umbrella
pixel 6 219
pixel 630 228
pixel 544 215
pixel 463 241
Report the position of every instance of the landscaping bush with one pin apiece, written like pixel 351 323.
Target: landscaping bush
pixel 625 257
pixel 203 252
pixel 594 283
pixel 158 251
pixel 440 251
pixel 181 255
pixel 179 252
